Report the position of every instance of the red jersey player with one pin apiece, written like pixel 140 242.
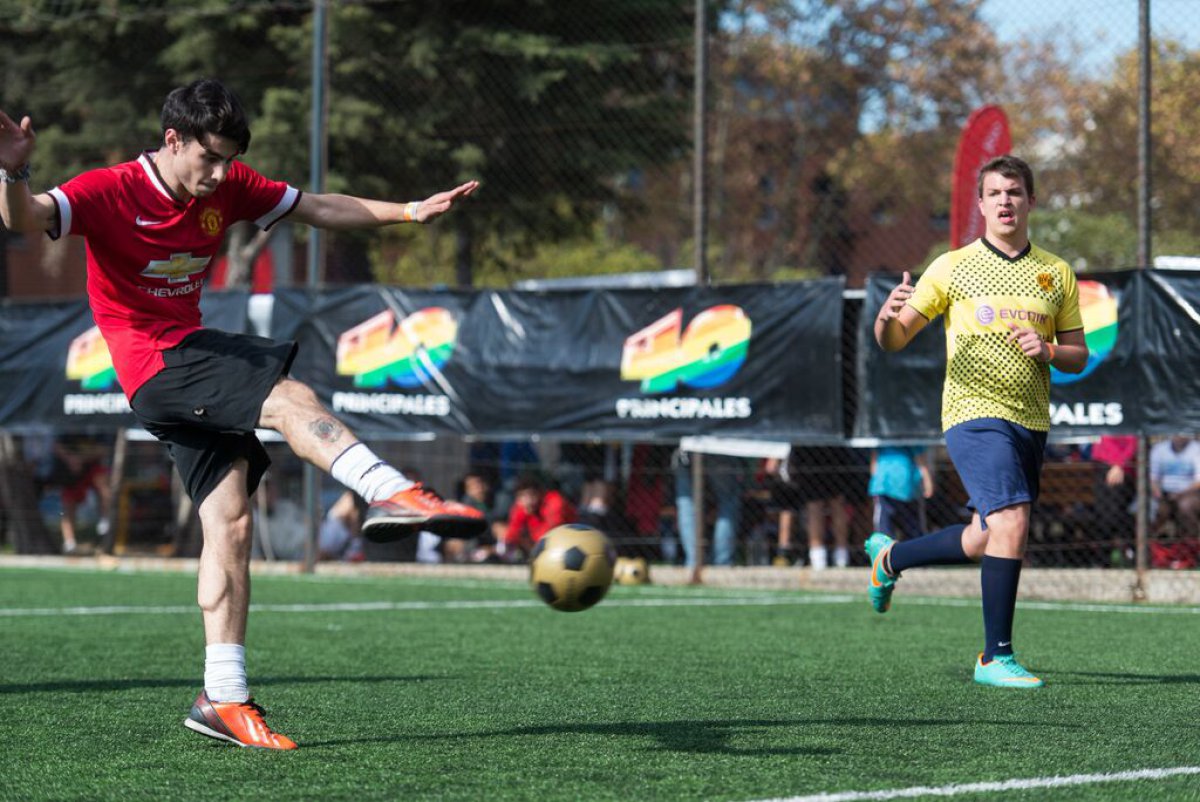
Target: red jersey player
pixel 152 227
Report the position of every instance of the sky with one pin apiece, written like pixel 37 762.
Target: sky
pixel 1109 26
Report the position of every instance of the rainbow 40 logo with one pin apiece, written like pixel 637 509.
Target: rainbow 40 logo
pixel 1099 308
pixel 407 353
pixel 705 354
pixel 90 363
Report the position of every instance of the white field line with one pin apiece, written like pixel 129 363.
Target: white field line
pixel 993 787
pixel 1065 607
pixel 495 583
pixel 480 604
pixel 740 600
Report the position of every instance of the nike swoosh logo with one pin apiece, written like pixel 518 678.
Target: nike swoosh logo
pixel 141 222
pixel 1005 643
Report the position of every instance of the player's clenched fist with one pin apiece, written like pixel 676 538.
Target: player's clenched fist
pixel 897 298
pixel 1030 343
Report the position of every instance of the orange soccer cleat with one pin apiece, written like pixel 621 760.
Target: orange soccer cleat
pixel 417 508
pixel 239 723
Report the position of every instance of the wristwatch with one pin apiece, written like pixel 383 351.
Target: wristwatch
pixel 22 174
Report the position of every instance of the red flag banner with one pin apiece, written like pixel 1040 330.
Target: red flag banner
pixel 985 136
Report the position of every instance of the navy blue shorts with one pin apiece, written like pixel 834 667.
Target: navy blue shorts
pixel 999 462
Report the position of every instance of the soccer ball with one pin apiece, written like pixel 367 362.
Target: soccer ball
pixel 631 571
pixel 571 567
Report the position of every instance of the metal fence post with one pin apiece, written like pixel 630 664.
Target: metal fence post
pixel 697 459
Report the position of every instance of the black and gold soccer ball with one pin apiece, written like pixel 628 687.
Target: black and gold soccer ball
pixel 631 571
pixel 571 567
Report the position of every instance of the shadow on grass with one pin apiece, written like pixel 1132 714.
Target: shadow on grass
pixel 1124 678
pixel 94 685
pixel 704 737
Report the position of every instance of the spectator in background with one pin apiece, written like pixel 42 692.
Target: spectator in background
pixel 646 498
pixel 598 507
pixel 80 470
pixel 774 478
pixel 476 491
pixel 535 511
pixel 340 535
pixel 900 479
pixel 817 479
pixel 578 463
pixel 503 463
pixel 1114 492
pixel 723 477
pixel 1175 483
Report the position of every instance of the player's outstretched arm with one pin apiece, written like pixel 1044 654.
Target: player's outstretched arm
pixel 347 211
pixel 897 322
pixel 19 209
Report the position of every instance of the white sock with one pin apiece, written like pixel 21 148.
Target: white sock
pixel 841 556
pixel 366 474
pixel 225 672
pixel 818 558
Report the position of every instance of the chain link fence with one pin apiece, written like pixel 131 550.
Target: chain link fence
pixel 831 126
pixel 831 129
pixel 812 509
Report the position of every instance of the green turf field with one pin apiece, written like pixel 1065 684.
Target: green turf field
pixel 456 690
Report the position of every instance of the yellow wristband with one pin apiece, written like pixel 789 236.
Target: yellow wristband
pixel 410 211
pixel 1050 348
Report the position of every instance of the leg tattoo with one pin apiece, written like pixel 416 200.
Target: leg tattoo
pixel 327 430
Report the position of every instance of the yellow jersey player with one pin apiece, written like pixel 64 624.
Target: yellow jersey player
pixel 1011 310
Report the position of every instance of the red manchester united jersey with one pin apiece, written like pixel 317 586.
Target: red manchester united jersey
pixel 148 252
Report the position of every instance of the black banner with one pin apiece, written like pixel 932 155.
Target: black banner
pixel 1102 399
pixel 757 361
pixel 899 394
pixel 760 362
pixel 1127 317
pixel 748 361
pixel 1164 383
pixel 387 362
pixel 57 371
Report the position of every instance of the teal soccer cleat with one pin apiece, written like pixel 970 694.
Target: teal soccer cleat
pixel 882 584
pixel 1004 672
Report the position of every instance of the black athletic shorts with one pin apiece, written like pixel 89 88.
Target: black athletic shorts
pixel 206 402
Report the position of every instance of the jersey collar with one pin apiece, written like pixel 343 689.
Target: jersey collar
pixel 146 160
pixel 1024 251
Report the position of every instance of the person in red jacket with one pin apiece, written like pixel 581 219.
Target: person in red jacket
pixel 535 511
pixel 1115 487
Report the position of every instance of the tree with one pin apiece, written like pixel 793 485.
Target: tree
pixel 1107 158
pixel 1079 129
pixel 548 104
pixel 817 98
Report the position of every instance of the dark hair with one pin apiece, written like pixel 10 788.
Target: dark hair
pixel 1009 167
pixel 530 480
pixel 206 106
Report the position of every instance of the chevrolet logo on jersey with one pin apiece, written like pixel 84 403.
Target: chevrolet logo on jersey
pixel 179 268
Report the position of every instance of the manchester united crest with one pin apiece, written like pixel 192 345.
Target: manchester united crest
pixel 210 221
pixel 1045 281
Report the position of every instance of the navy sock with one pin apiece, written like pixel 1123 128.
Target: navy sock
pixel 943 547
pixel 999 577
